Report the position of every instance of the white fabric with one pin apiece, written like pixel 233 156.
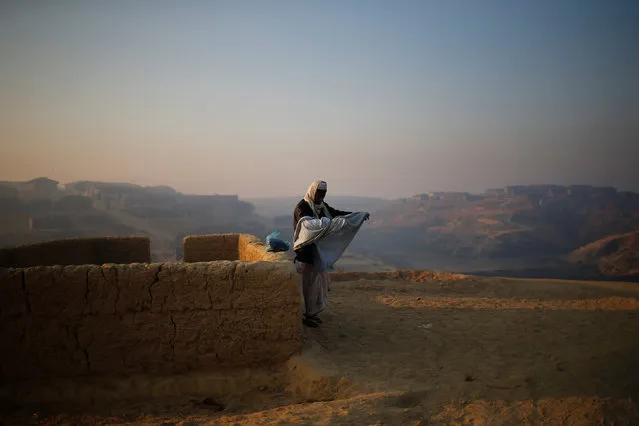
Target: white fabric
pixel 315 287
pixel 310 199
pixel 331 237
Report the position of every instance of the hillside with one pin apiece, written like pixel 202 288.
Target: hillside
pixel 615 255
pixel 44 209
pixel 527 231
pixel 515 228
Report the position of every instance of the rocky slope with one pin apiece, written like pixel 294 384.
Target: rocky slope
pixel 615 255
pixel 515 228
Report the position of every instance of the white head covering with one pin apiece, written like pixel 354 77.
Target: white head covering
pixel 310 199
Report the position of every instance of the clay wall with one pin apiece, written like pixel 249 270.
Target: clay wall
pixel 78 251
pixel 211 247
pixel 207 248
pixel 87 320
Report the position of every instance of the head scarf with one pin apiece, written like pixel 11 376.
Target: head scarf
pixel 310 199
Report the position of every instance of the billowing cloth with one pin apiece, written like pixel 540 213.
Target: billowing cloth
pixel 331 237
pixel 302 209
pixel 310 199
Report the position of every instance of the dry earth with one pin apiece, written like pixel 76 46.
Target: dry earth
pixel 351 261
pixel 445 350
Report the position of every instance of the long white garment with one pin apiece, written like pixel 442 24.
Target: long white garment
pixel 315 288
pixel 331 237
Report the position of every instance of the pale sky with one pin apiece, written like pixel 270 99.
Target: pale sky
pixel 379 98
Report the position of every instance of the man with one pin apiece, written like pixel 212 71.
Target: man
pixel 315 283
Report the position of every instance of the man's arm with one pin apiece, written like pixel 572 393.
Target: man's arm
pixel 335 212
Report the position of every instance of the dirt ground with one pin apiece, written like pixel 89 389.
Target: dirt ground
pixel 444 351
pixel 351 261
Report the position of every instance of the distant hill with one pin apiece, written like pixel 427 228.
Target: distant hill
pixel 512 228
pixel 580 232
pixel 43 209
pixel 615 255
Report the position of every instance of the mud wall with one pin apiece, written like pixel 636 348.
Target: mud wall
pixel 206 248
pixel 78 251
pixel 69 321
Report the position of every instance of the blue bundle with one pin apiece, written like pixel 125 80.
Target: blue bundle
pixel 274 244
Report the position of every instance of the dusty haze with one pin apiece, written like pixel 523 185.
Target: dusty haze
pixel 379 99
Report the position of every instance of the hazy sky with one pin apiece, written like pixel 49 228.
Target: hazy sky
pixel 382 98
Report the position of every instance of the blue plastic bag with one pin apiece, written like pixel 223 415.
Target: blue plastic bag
pixel 274 244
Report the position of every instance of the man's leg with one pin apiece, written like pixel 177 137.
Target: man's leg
pixel 308 278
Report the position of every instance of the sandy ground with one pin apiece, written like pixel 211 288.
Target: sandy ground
pixel 461 351
pixel 351 261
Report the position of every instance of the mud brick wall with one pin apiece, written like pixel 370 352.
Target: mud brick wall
pixel 206 248
pixel 69 321
pixel 78 251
